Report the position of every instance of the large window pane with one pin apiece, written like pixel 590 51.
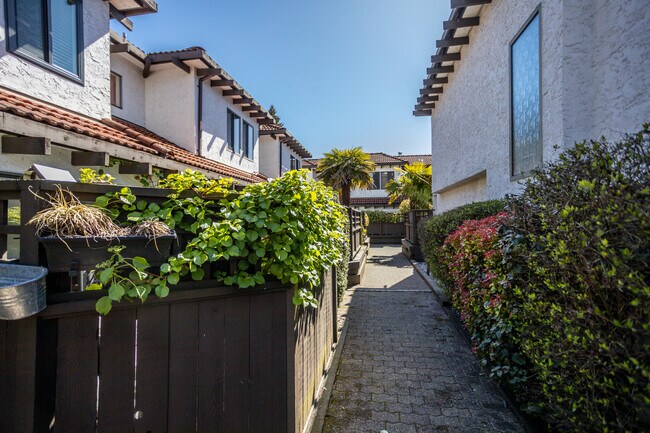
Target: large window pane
pixel 526 113
pixel 30 34
pixel 234 131
pixel 63 21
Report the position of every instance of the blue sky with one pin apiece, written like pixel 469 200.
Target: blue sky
pixel 342 73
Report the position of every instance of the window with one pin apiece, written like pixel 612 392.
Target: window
pixel 381 178
pixel 116 90
pixel 47 31
pixel 248 141
pixel 295 163
pixel 234 132
pixel 526 122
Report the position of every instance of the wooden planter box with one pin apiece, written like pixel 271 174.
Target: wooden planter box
pixel 208 360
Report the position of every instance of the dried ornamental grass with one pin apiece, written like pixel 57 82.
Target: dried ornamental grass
pixel 151 229
pixel 67 216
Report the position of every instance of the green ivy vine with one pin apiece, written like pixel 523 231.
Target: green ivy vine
pixel 291 229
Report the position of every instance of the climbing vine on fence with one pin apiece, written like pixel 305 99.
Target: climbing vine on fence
pixel 290 228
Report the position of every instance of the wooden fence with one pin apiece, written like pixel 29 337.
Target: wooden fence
pixel 204 359
pixel 414 218
pixel 386 233
pixel 356 231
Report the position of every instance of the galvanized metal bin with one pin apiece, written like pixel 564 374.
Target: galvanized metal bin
pixel 22 291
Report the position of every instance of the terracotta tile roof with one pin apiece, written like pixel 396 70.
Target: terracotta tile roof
pixel 271 127
pixel 381 158
pixel 426 159
pixel 310 163
pixel 116 131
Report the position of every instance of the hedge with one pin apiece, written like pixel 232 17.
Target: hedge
pixel 556 294
pixel 433 232
pixel 380 216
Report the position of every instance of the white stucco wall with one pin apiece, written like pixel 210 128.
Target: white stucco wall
pixel 133 90
pixel 286 158
pixel 595 62
pixel 215 131
pixel 269 156
pixel 92 97
pixel 170 105
pixel 469 192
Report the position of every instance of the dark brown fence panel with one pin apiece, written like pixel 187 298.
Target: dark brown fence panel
pixel 261 370
pixel 386 233
pixel 414 218
pixel 76 382
pixel 116 359
pixel 211 365
pixel 152 375
pixel 314 337
pixel 183 361
pixel 356 230
pixel 237 354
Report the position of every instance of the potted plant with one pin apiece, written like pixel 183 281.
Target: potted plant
pixel 77 236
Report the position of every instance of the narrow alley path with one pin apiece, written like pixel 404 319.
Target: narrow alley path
pixel 405 367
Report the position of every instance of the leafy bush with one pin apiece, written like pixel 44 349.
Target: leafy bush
pixel 474 256
pixel 434 231
pixel 582 243
pixel 379 216
pixel 290 228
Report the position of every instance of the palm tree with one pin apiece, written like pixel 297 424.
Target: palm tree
pixel 346 169
pixel 414 185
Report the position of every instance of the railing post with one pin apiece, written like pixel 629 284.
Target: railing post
pixel 29 206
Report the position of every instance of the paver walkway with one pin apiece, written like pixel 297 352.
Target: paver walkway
pixel 405 367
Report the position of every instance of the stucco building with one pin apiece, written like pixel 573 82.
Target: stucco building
pixel 514 82
pixel 75 94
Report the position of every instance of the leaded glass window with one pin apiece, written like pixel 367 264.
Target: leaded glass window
pixel 526 105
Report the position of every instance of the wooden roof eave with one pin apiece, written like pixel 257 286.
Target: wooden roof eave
pixel 456 21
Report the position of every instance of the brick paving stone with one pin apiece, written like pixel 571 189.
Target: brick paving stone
pixel 405 368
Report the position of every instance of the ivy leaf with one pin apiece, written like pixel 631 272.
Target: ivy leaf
pixel 165 268
pixel 140 263
pixel 115 292
pixel 104 305
pixel 105 275
pixel 173 279
pixel 252 235
pixel 102 201
pixel 281 212
pixel 162 291
pixel 198 274
pixel 94 287
pixel 259 252
pixel 233 250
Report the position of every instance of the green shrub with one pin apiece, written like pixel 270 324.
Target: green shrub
pixel 579 256
pixel 380 216
pixel 434 231
pixel 474 257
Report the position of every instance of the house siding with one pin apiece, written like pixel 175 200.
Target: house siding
pixel 595 58
pixel 171 108
pixel 133 91
pixel 92 98
pixel 270 156
pixel 215 131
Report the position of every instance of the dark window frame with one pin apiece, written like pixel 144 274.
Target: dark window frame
pixel 381 185
pixel 121 93
pixel 537 13
pixel 246 150
pixel 12 44
pixel 231 143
